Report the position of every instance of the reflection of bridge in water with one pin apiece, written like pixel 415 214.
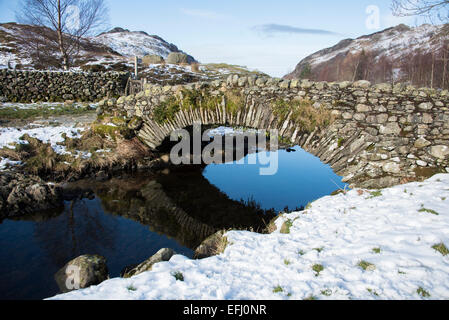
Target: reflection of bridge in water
pixel 182 204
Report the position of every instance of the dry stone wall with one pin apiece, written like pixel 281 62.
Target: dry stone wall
pixel 380 135
pixel 31 86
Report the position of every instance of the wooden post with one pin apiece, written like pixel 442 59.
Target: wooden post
pixel 135 68
pixel 445 61
pixel 432 70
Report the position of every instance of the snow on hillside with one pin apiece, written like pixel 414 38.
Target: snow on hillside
pixel 393 43
pixel 8 54
pixel 137 43
pixel 399 54
pixel 385 244
pixel 25 47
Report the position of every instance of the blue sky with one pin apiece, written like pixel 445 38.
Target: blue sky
pixel 271 36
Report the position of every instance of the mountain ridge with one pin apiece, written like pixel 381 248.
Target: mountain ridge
pixel 396 54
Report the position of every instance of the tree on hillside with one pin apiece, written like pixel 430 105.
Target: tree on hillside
pixel 70 20
pixel 431 9
pixel 306 71
pixel 362 67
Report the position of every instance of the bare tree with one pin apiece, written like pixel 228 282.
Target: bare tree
pixel 69 19
pixel 430 9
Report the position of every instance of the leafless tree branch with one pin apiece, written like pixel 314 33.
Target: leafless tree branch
pixel 430 9
pixel 71 20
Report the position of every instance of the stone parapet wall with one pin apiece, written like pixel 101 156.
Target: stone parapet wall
pixel 380 135
pixel 32 86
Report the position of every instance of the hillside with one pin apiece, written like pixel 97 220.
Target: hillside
pixel 31 47
pixel 398 54
pixel 135 43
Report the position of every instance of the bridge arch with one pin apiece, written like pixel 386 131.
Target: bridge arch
pixel 373 136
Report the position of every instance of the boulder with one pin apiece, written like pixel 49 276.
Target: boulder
pixel 177 58
pixel 24 194
pixel 82 272
pixel 212 246
pixel 362 84
pixel 162 255
pixel 152 59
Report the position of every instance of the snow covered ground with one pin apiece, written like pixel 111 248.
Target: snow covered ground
pixel 4 163
pixel 52 135
pixel 358 245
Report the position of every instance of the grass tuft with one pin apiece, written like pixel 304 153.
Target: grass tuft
pixel 429 211
pixel 373 292
pixel 326 292
pixel 178 276
pixel 234 101
pixel 131 288
pixel 166 110
pixel 423 293
pixel 278 289
pixel 285 228
pixel 441 248
pixel 375 194
pixel 317 268
pixel 303 113
pixel 367 266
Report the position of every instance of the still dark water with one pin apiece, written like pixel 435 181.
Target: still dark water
pixel 129 218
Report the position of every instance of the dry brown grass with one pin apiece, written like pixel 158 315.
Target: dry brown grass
pixel 132 149
pixel 11 154
pixel 195 67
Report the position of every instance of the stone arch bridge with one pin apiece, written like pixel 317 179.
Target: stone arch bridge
pixel 373 135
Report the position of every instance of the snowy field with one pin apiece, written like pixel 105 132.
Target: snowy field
pixel 377 244
pixel 52 135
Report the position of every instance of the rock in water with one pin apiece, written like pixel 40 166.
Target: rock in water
pixel 162 255
pixel 24 194
pixel 82 272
